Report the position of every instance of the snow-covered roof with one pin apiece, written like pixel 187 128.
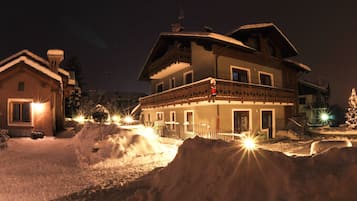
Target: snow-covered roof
pixel 314 85
pixel 71 82
pixel 24 52
pixel 31 63
pixel 209 35
pixel 64 72
pixel 298 64
pixel 263 26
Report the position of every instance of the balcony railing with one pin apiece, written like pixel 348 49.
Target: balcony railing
pixel 226 90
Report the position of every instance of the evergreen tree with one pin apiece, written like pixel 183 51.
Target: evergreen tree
pixel 351 115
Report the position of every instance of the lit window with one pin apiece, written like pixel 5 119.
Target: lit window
pixel 20 112
pixel 265 79
pixel 240 75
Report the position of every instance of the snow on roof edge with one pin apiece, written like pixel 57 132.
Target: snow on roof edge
pixel 301 65
pixel 33 64
pixel 26 51
pixel 210 35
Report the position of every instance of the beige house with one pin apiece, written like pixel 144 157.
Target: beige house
pixel 215 85
pixel 32 92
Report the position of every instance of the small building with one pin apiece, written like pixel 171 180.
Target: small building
pixel 213 85
pixel 32 92
pixel 313 102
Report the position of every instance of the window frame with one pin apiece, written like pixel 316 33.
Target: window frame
pixel 250 118
pixel 241 68
pixel 172 83
pixel 184 76
pixel 173 120
pixel 266 73
pixel 162 115
pixel 10 110
pixel 157 85
pixel 193 122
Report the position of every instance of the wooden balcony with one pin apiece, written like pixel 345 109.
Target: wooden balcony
pixel 171 56
pixel 226 91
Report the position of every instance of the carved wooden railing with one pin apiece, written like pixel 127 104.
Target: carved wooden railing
pixel 226 90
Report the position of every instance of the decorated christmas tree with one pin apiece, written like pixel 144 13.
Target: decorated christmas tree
pixel 351 115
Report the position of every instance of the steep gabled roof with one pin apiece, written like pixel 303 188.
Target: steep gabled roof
pixel 213 37
pixel 288 48
pixel 31 60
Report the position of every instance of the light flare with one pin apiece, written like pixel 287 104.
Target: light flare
pixel 128 119
pixel 249 144
pixel 38 107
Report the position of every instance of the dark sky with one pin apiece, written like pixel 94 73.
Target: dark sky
pixel 112 38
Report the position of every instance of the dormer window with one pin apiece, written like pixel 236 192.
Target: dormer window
pixel 188 77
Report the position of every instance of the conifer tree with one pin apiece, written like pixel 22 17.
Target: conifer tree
pixel 351 114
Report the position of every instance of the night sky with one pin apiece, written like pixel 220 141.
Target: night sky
pixel 113 38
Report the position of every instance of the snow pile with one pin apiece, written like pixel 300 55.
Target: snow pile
pixel 215 170
pixel 97 142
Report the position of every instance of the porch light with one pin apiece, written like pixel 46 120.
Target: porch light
pixel 128 119
pixel 324 116
pixel 115 118
pixel 249 144
pixel 80 119
pixel 38 107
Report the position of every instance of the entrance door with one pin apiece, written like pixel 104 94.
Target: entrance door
pixel 267 122
pixel 241 121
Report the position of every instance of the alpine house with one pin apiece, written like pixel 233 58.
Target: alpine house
pixel 215 85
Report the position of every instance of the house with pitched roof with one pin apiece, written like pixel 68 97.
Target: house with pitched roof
pixel 32 92
pixel 213 85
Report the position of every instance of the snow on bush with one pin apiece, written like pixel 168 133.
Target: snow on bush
pixel 215 170
pixel 98 142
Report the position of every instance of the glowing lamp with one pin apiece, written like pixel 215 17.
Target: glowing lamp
pixel 38 107
pixel 324 117
pixel 80 119
pixel 249 143
pixel 115 118
pixel 128 119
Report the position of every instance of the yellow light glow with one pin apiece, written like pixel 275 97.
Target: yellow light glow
pixel 128 119
pixel 115 118
pixel 249 143
pixel 38 107
pixel 80 119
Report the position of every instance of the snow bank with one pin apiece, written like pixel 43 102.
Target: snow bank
pixel 96 143
pixel 214 170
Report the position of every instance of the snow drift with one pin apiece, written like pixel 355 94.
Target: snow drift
pixel 96 143
pixel 214 170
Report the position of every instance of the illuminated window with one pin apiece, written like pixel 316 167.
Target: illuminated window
pixel 189 121
pixel 266 79
pixel 241 121
pixel 188 77
pixel 19 112
pixel 240 75
pixel 21 86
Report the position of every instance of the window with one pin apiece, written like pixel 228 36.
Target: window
pixel 241 121
pixel 188 77
pixel 159 116
pixel 19 112
pixel 159 87
pixel 172 83
pixel 189 122
pixel 149 120
pixel 21 86
pixel 302 100
pixel 172 120
pixel 240 75
pixel 265 79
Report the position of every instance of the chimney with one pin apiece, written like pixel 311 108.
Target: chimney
pixel 55 57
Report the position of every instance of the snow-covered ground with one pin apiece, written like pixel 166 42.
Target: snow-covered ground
pixel 99 156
